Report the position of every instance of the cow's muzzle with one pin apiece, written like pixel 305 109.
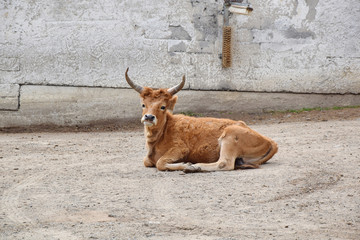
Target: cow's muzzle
pixel 149 120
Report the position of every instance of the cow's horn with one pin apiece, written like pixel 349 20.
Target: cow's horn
pixel 137 88
pixel 177 88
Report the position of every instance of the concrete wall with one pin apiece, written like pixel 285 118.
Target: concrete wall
pixel 299 46
pixel 42 105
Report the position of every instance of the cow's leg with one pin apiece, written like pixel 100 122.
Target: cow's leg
pixel 239 142
pixel 170 160
pixel 226 160
pixel 257 150
pixel 148 162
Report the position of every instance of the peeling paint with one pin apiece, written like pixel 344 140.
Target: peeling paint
pixel 179 33
pixel 176 46
pixel 205 19
pixel 298 34
pixel 312 9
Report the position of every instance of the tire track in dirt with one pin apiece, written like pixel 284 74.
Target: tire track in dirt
pixel 311 183
pixel 10 200
pixel 12 209
pixel 10 205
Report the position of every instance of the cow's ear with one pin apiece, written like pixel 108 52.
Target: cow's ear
pixel 172 103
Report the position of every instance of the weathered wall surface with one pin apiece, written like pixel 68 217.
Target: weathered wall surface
pixel 301 46
pixel 292 45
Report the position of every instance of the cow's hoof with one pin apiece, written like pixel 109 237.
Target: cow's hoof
pixel 191 169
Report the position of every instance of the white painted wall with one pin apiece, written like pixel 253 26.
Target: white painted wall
pixel 300 46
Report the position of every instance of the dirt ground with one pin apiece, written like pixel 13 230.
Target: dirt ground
pixel 89 182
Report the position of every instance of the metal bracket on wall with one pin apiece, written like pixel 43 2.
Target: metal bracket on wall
pixel 240 7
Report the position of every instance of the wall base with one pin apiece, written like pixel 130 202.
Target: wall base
pixel 67 106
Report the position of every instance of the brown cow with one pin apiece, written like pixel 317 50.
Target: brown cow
pixel 178 142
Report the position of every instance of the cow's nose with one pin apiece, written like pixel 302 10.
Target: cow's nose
pixel 149 117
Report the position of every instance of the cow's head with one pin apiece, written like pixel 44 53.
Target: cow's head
pixel 155 102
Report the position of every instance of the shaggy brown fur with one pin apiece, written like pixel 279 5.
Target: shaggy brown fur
pixel 178 142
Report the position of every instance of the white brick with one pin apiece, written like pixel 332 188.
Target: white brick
pixel 9 64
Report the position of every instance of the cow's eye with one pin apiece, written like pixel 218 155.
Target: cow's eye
pixel 143 105
pixel 163 107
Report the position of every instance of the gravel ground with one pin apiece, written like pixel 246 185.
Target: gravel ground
pixel 93 185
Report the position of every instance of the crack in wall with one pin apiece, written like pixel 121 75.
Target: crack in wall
pixel 19 97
